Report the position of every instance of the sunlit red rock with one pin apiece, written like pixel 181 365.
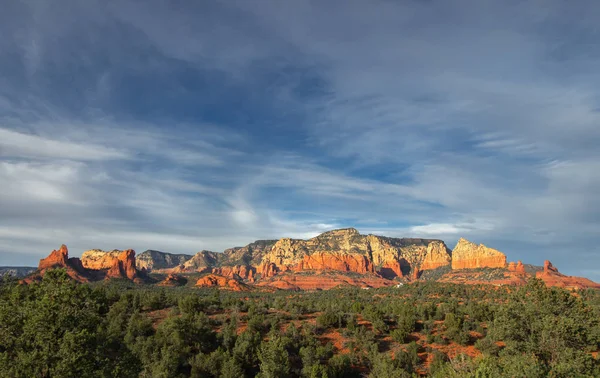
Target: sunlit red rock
pixel 552 277
pixel 467 255
pixel 436 256
pixel 517 267
pixel 214 280
pixel 123 266
pixel 98 260
pixel 56 259
pixel 242 271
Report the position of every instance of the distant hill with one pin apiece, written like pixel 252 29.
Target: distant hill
pixel 16 271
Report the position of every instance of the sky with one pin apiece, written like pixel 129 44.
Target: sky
pixel 182 126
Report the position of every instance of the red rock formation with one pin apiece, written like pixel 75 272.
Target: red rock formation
pixel 267 269
pixel 214 280
pixel 436 256
pixel 336 261
pixel 517 267
pixel 243 271
pixel 173 280
pixel 391 269
pixel 549 268
pixel 414 274
pixel 552 277
pixel 60 259
pixel 467 255
pixel 123 266
pixel 57 259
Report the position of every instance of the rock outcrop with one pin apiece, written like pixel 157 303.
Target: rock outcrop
pixel 173 280
pixel 552 277
pixel 214 280
pixel 123 266
pixel 98 259
pixel 56 259
pixel 245 272
pixel 250 255
pixel 436 256
pixel 467 255
pixel 200 262
pixel 155 260
pixel 347 250
pixel 516 267
pixel 60 259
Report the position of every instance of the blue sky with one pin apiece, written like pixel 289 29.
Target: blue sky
pixel 183 126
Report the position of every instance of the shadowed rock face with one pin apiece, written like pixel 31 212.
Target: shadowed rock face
pixel 123 266
pixel 467 255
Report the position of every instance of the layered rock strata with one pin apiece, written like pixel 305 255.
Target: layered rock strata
pixel 467 255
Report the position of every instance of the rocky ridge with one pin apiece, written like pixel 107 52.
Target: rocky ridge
pixel 467 255
pixel 106 265
pixel 151 260
pixel 336 257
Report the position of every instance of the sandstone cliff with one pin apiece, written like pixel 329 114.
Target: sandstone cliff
pixel 123 266
pixel 98 259
pixel 252 254
pixel 245 272
pixel 347 250
pixel 214 280
pixel 173 280
pixel 156 260
pixel 467 255
pixel 60 259
pixel 200 262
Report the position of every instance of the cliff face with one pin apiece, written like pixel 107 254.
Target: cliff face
pixel 123 266
pixel 97 259
pixel 467 255
pixel 213 280
pixel 252 254
pixel 200 262
pixel 245 272
pixel 56 259
pixel 60 259
pixel 349 251
pixel 106 265
pixel 155 260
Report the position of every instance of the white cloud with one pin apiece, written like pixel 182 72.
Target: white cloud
pixel 22 145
